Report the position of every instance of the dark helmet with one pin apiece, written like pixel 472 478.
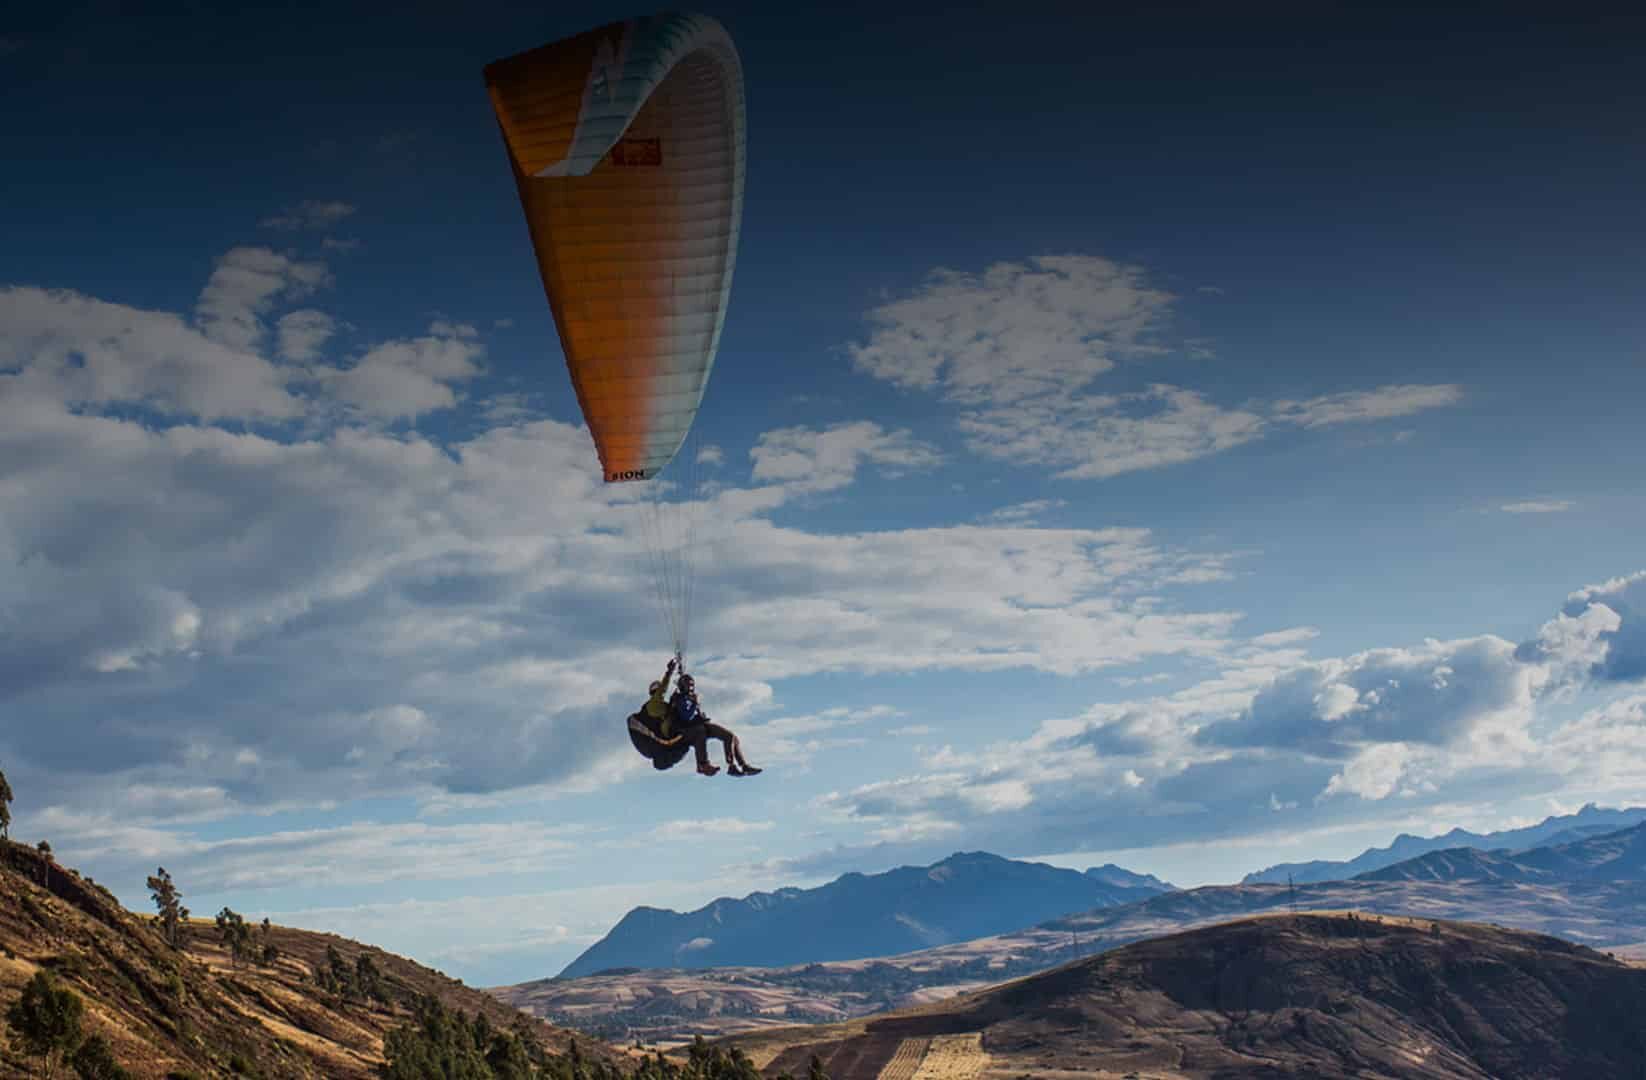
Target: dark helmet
pixel 655 686
pixel 687 682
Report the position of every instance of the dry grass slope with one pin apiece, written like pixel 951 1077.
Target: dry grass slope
pixel 1320 995
pixel 195 1012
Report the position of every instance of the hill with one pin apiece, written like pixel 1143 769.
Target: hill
pixel 1590 821
pixel 669 1006
pixel 964 896
pixel 1321 995
pixel 194 1012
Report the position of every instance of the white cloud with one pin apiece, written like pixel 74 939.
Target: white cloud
pixel 1018 347
pixel 242 288
pixel 1471 695
pixel 1018 331
pixel 1605 747
pixel 1095 437
pixel 310 214
pixel 810 460
pixel 1373 773
pixel 302 334
pixel 1447 720
pixel 162 569
pixel 407 378
pixel 1361 406
pixel 1537 506
pixel 1025 512
pixel 507 408
pixel 64 348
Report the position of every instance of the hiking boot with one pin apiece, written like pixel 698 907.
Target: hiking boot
pixel 707 769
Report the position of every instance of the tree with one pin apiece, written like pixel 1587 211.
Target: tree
pixel 47 1020
pixel 236 934
pixel 173 918
pixel 95 1061
pixel 338 977
pixel 368 982
pixel 45 870
pixel 5 808
pixel 267 954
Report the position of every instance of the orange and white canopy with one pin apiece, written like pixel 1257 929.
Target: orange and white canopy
pixel 627 148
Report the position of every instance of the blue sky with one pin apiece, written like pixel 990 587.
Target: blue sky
pixel 1192 440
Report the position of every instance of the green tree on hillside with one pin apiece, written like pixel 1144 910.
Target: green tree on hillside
pixel 342 977
pixel 95 1061
pixel 173 918
pixel 47 1021
pixel 236 935
pixel 369 982
pixel 267 954
pixel 5 807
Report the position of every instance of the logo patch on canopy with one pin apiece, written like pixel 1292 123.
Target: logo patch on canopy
pixel 637 152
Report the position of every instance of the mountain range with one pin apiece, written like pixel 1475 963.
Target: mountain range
pixel 967 895
pixel 1613 856
pixel 1591 891
pixel 1591 820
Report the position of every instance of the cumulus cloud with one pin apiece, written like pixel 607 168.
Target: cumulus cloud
pixel 1599 635
pixel 152 569
pixel 61 347
pixel 1441 693
pixel 825 460
pixel 1373 773
pixel 1429 725
pixel 1605 746
pixel 302 334
pixel 410 377
pixel 1101 436
pixel 309 214
pixel 1018 348
pixel 244 285
pixel 1019 330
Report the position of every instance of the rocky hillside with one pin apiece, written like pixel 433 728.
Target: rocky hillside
pixel 913 907
pixel 194 1012
pixel 1329 995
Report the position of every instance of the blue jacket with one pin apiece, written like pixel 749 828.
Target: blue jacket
pixel 685 708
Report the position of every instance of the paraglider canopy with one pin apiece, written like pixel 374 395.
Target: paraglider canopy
pixel 627 147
